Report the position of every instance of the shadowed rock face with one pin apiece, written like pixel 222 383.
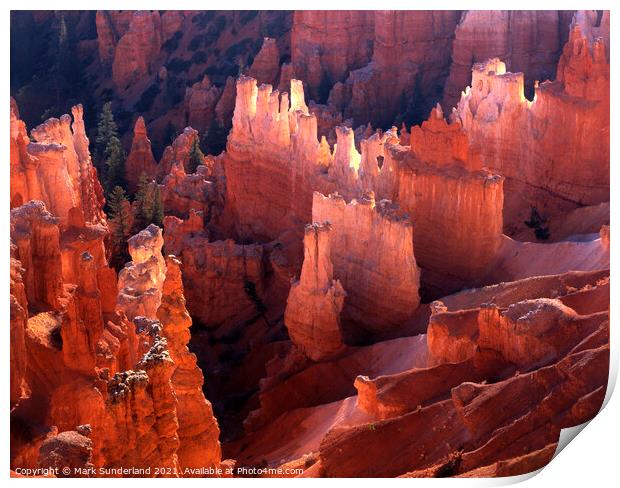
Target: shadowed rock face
pixel 335 291
pixel 140 159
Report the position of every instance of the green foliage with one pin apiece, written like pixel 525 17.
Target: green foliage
pixel 158 206
pixel 120 223
pixel 196 157
pixel 149 208
pixel 115 165
pixel 539 224
pixel 106 130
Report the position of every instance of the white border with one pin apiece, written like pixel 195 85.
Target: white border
pixel 591 460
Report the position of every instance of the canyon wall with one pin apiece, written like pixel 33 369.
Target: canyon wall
pixel 274 162
pixel 529 42
pixel 554 150
pixel 372 248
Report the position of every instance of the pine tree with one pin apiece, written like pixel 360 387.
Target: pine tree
pixel 196 157
pixel 120 223
pixel 149 208
pixel 114 165
pixel 143 209
pixel 158 206
pixel 106 130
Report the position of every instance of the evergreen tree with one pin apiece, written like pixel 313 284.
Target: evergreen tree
pixel 114 165
pixel 196 157
pixel 149 208
pixel 158 206
pixel 120 223
pixel 143 211
pixel 106 130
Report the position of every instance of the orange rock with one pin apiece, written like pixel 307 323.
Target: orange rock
pixel 266 65
pixel 468 250
pixel 140 283
pixel 198 430
pixel 370 246
pixel 36 235
pixel 414 44
pixel 439 143
pixel 216 274
pixel 314 303
pixel 137 49
pixel 184 193
pixel 177 154
pixel 56 168
pixel 566 115
pixel 201 101
pixel 67 450
pixel 19 321
pixel 140 159
pixel 508 35
pixel 325 46
pixel 111 25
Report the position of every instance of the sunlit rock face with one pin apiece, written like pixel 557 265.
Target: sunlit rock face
pixel 140 282
pixel 79 366
pixel 315 301
pixel 55 167
pixel 198 430
pixel 529 42
pixel 372 250
pixel 271 156
pixel 554 150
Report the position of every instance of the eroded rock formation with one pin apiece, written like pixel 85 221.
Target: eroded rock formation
pixel 315 301
pixel 529 42
pixel 561 166
pixel 372 249
pixel 216 273
pixel 79 366
pixel 140 159
pixel 55 167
